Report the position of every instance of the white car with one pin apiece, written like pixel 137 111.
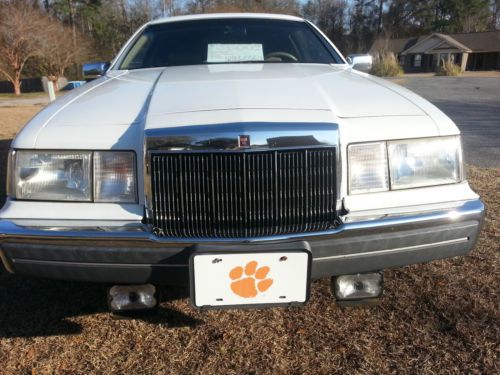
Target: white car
pixel 239 154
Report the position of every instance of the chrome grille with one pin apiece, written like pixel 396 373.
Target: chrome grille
pixel 243 194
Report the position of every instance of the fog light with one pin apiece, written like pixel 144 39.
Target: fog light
pixel 132 297
pixel 358 287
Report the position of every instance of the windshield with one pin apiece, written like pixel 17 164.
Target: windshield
pixel 223 41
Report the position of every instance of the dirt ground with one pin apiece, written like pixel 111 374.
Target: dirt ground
pixel 436 318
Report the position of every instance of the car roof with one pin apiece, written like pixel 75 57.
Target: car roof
pixel 225 16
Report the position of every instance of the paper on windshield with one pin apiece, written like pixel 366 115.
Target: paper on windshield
pixel 220 53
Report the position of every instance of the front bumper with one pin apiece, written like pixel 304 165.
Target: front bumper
pixel 130 254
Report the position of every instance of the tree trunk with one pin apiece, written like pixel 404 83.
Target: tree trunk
pixel 55 81
pixel 16 82
pixel 17 87
pixel 72 22
pixel 380 15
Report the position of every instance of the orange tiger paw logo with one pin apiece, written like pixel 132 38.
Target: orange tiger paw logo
pixel 254 282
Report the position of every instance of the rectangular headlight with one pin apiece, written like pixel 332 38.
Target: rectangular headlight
pixel 52 176
pixel 67 176
pixel 114 177
pixel 368 172
pixel 424 162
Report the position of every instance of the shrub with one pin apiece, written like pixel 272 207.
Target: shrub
pixel 448 68
pixel 386 65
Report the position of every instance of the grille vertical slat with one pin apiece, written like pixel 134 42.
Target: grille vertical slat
pixel 163 182
pixel 243 194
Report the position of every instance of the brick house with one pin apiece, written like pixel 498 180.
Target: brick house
pixel 472 51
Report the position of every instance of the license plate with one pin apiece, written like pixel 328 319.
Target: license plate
pixel 250 279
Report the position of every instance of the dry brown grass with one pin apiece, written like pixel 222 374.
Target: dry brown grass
pixel 12 118
pixel 448 68
pixel 441 317
pixel 385 64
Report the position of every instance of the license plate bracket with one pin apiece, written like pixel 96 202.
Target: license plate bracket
pixel 279 275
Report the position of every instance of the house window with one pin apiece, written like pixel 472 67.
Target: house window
pixel 417 61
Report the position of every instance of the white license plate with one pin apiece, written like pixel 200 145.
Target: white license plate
pixel 250 279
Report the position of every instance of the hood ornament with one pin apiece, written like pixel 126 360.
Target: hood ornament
pixel 243 141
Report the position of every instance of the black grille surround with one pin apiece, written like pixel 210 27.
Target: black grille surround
pixel 244 193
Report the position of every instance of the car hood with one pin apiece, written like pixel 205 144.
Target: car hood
pixel 175 96
pixel 275 86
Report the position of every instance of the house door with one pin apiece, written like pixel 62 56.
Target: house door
pixel 435 60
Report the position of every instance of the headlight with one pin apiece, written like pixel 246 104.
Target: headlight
pixel 67 176
pixel 41 175
pixel 405 164
pixel 368 172
pixel 114 177
pixel 424 162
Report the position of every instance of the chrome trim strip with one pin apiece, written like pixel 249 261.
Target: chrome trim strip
pixel 142 118
pixel 399 249
pixel 11 158
pixel 113 265
pixel 6 263
pixel 263 136
pixel 470 210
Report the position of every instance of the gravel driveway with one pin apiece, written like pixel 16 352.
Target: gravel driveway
pixel 474 104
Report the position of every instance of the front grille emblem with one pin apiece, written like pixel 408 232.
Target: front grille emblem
pixel 244 141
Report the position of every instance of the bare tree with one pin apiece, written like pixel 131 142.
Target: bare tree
pixel 273 6
pixel 21 35
pixel 495 15
pixel 199 6
pixel 58 52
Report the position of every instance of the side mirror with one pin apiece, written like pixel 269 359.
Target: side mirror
pixel 94 70
pixel 362 63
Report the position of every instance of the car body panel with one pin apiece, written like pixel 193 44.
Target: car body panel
pixel 120 100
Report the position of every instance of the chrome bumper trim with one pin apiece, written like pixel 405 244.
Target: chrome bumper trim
pixel 139 233
pixel 5 262
pixel 396 250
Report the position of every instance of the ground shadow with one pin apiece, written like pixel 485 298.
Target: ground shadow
pixel 37 307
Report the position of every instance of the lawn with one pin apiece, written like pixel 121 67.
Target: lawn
pixel 441 317
pixel 24 95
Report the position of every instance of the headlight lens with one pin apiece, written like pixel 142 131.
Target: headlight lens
pixel 406 163
pixel 424 162
pixel 368 172
pixel 67 176
pixel 53 176
pixel 114 177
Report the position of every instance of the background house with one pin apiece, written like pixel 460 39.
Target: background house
pixel 472 51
